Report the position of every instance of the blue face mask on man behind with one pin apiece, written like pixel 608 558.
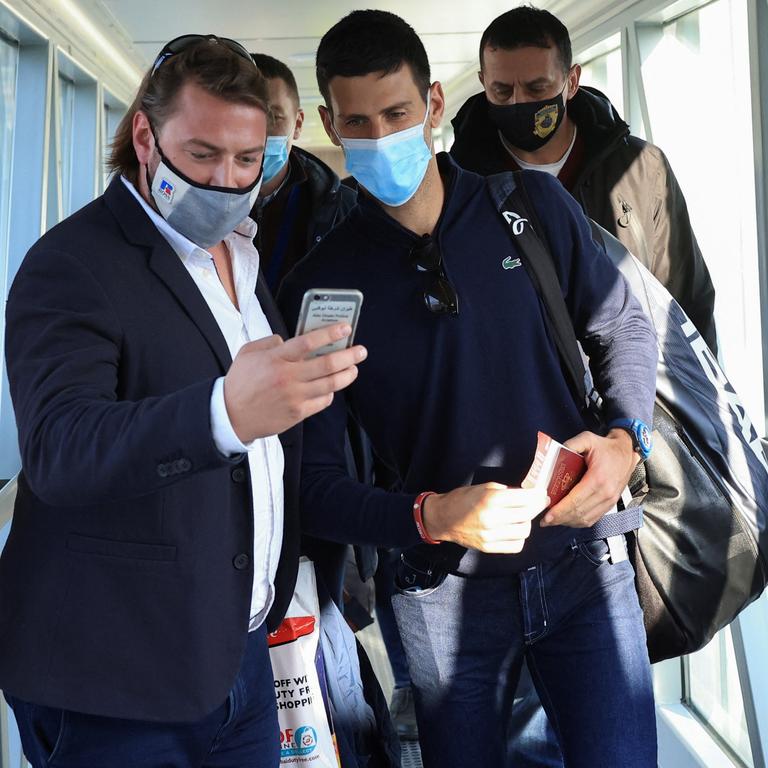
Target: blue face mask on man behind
pixel 390 168
pixel 275 156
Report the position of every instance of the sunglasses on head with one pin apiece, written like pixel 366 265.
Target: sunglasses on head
pixel 440 296
pixel 179 44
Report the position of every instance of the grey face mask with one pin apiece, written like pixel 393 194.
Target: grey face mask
pixel 202 213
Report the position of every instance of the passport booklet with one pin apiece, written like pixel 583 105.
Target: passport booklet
pixel 555 468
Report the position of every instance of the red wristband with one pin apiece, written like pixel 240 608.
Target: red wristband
pixel 417 518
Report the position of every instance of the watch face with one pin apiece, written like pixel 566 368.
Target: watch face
pixel 644 437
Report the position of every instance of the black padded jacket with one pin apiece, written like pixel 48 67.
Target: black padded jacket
pixel 625 184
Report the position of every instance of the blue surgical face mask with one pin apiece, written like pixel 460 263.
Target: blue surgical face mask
pixel 390 168
pixel 275 156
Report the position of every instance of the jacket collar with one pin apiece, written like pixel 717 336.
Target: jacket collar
pixel 305 168
pixel 322 180
pixel 476 139
pixel 375 221
pixel 596 118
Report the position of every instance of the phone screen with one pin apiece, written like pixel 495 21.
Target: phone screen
pixel 328 306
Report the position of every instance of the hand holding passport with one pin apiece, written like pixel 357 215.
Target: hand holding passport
pixel 555 468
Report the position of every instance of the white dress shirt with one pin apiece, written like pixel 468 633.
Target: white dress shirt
pixel 238 326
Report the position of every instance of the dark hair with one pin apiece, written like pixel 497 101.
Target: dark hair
pixel 528 26
pixel 211 65
pixel 370 41
pixel 271 68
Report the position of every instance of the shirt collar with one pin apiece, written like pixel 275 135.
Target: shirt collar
pixel 540 166
pixel 182 245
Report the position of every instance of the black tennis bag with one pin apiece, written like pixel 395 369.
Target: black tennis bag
pixel 701 554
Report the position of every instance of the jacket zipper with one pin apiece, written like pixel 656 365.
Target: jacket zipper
pixel 627 220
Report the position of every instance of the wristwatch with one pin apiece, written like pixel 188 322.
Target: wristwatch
pixel 640 433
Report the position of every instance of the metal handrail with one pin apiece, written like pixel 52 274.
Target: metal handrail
pixel 5 749
pixel 7 497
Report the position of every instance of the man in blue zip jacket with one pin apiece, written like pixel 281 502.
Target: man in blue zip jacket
pixel 462 374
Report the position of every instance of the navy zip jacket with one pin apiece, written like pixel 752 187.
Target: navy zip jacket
pixel 456 400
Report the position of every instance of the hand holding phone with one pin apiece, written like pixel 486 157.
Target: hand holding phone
pixel 321 307
pixel 273 384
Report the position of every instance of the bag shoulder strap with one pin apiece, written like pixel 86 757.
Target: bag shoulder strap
pixel 511 198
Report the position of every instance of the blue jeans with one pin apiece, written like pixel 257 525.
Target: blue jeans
pixel 531 740
pixel 384 580
pixel 242 733
pixel 578 624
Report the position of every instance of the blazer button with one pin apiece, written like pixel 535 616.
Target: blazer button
pixel 241 561
pixel 238 474
pixel 162 470
pixel 184 465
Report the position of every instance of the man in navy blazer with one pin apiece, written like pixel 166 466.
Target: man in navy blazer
pixel 155 534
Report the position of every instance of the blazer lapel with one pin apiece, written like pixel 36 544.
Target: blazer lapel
pixel 275 319
pixel 164 262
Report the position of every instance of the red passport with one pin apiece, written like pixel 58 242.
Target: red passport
pixel 554 467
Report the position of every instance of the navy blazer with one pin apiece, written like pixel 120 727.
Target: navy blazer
pixel 125 584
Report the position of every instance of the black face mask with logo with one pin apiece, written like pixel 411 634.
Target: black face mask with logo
pixel 529 125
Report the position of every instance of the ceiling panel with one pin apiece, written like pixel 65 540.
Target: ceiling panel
pixel 149 21
pixel 291 30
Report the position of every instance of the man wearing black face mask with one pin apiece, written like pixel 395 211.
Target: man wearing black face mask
pixel 155 533
pixel 534 115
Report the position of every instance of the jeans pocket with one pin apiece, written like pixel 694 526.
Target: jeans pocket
pixel 41 729
pixel 417 579
pixel 596 551
pixel 58 745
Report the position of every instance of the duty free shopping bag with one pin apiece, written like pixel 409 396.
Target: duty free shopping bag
pixel 301 691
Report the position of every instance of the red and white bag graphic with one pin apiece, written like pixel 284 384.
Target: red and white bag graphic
pixel 306 727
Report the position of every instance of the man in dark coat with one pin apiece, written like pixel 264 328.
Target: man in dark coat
pixel 155 532
pixel 534 115
pixel 301 199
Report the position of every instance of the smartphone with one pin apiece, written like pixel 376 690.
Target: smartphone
pixel 328 306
